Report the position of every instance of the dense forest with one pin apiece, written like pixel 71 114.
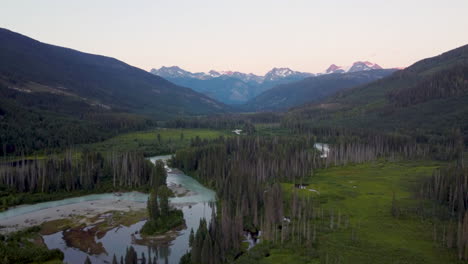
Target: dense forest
pixel 377 138
pixel 449 187
pixel 75 171
pixel 427 99
pixel 246 172
pixel 55 123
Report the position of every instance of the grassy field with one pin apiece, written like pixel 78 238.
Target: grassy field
pixel 365 193
pixel 148 142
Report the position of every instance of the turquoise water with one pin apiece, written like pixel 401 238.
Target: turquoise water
pixel 24 209
pixel 118 239
pixel 203 194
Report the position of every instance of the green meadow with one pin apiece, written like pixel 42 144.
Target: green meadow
pixel 157 141
pixel 364 193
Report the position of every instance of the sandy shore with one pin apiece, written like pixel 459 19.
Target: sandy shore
pixel 179 190
pixel 86 209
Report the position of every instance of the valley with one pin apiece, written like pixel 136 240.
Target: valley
pixel 102 161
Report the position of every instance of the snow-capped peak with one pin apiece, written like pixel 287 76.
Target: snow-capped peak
pixel 334 69
pixel 364 66
pixel 214 73
pixel 281 73
pixel 357 66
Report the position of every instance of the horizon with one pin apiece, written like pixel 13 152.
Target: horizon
pixel 209 35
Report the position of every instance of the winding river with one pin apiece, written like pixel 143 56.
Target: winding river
pixel 195 206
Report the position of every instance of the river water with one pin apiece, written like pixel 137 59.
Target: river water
pixel 117 240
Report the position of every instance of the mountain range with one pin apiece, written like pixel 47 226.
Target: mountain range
pixel 233 87
pixel 356 67
pixel 230 87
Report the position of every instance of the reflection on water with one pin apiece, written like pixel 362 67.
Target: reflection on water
pixel 117 240
pixel 323 148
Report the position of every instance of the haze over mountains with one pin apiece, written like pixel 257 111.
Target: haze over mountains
pixel 233 87
pixel 311 89
pixel 356 67
pixel 230 87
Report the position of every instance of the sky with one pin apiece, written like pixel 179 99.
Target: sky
pixel 245 35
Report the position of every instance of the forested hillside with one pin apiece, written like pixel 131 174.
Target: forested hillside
pixel 427 98
pixel 311 89
pixel 96 80
pixel 54 97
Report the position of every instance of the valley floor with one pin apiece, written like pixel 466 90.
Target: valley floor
pixel 365 193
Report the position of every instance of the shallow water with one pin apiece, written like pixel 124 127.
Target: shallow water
pixel 118 239
pixel 323 148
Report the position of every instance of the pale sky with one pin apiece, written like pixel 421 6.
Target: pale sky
pixel 245 35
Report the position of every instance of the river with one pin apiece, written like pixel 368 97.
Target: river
pixel 195 206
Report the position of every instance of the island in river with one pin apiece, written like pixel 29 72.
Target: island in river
pixel 102 225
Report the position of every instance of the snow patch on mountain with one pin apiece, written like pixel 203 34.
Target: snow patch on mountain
pixel 282 73
pixel 275 74
pixel 356 67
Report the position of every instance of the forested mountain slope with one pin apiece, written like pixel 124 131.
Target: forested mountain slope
pixel 96 80
pixel 311 89
pixel 431 95
pixel 52 96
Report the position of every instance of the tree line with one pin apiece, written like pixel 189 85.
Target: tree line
pixel 78 171
pixel 246 172
pixel 449 187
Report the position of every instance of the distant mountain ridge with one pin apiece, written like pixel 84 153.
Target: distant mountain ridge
pixel 173 72
pixel 356 67
pixel 274 74
pixel 311 89
pixel 231 87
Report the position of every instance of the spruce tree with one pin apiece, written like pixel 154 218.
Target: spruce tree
pixel 164 200
pixel 87 260
pixel 153 207
pixel 206 252
pixel 191 238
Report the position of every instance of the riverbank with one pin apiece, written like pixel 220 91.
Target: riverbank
pixel 85 210
pixel 133 201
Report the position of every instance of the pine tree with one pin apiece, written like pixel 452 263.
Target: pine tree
pixel 114 260
pixel 191 238
pixel 131 256
pixel 164 200
pixel 160 174
pixel 206 252
pixel 87 260
pixel 152 205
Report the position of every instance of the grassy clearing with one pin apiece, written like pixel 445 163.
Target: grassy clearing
pixel 286 256
pixel 365 193
pixel 271 129
pixel 148 142
pixel 54 226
